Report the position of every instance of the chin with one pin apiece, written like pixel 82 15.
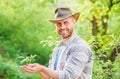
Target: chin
pixel 64 37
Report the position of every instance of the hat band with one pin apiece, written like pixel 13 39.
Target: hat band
pixel 63 16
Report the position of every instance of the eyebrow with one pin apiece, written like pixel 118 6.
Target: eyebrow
pixel 64 20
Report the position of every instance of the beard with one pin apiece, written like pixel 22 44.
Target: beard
pixel 65 33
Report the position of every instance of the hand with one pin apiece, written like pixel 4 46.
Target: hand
pixel 31 68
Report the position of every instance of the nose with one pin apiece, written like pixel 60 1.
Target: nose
pixel 62 26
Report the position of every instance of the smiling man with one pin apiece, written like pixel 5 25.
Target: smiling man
pixel 72 57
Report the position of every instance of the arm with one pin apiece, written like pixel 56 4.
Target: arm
pixel 46 73
pixel 44 76
pixel 73 68
pixel 49 72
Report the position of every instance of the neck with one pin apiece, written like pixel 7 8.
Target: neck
pixel 64 40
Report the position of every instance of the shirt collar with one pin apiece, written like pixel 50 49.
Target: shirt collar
pixel 74 35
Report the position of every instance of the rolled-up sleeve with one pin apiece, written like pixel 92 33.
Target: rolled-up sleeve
pixel 75 63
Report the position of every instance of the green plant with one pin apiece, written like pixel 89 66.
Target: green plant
pixel 27 60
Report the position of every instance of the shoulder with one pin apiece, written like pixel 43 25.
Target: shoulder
pixel 79 42
pixel 80 45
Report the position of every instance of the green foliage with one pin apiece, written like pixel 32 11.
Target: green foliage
pixel 105 43
pixel 26 35
pixel 116 69
pixel 10 70
pixel 105 70
pixel 26 60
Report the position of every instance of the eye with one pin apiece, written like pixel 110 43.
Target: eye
pixel 66 22
pixel 58 24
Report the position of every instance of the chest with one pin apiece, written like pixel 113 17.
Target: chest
pixel 63 58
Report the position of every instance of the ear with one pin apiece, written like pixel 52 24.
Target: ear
pixel 74 20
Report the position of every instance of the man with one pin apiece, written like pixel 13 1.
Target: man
pixel 72 57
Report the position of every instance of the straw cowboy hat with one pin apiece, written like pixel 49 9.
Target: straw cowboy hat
pixel 63 13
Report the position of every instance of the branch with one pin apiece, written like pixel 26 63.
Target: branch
pixel 111 4
pixel 116 2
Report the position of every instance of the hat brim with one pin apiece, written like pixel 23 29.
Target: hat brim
pixel 75 16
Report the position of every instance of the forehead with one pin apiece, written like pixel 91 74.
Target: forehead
pixel 66 19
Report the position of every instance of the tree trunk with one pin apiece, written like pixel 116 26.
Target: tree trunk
pixel 94 26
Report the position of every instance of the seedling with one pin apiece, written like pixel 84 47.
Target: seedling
pixel 27 60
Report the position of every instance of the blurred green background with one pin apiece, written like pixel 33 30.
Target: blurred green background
pixel 25 31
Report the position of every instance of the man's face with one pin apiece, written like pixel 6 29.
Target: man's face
pixel 65 27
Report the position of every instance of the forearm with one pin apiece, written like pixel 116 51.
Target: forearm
pixel 50 73
pixel 44 76
pixel 46 73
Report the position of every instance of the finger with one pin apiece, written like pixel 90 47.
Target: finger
pixel 27 69
pixel 21 67
pixel 31 65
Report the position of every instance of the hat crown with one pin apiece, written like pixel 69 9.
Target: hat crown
pixel 62 12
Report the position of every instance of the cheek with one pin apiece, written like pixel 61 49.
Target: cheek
pixel 70 28
pixel 57 29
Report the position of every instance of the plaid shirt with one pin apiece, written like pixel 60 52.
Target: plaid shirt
pixel 76 60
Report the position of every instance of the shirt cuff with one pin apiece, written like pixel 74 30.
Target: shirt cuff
pixel 61 75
